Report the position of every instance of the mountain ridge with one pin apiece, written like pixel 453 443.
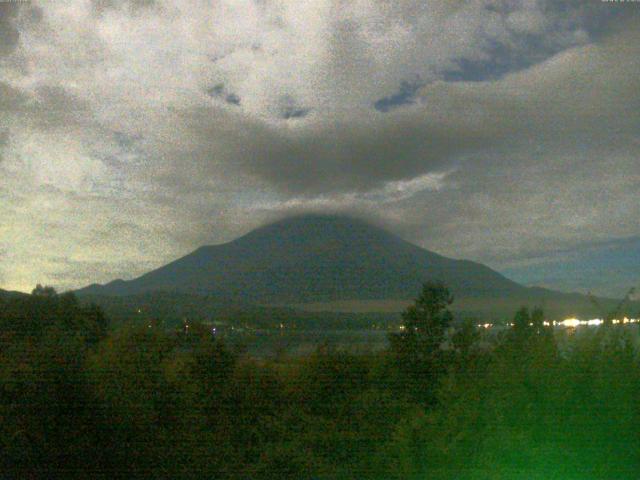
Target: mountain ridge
pixel 324 259
pixel 312 257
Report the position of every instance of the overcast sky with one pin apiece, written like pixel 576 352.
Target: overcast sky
pixel 134 131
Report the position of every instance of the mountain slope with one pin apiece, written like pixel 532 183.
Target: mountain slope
pixel 7 294
pixel 314 258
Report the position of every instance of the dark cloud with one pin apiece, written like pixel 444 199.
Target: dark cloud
pixel 521 52
pixel 11 100
pixel 4 140
pixel 219 91
pixel 536 32
pixel 290 109
pixel 405 96
pixel 134 6
pixel 330 157
pixel 517 207
pixel 607 267
pixel 547 107
pixel 9 34
pixel 292 112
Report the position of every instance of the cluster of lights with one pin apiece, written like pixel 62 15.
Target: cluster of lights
pixel 626 320
pixel 574 322
pixel 569 322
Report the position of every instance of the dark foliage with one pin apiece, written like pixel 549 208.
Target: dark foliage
pixel 418 348
pixel 145 402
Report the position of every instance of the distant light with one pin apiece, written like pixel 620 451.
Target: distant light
pixel 570 322
pixel 595 321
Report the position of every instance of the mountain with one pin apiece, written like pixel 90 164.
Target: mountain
pixel 313 258
pixel 322 259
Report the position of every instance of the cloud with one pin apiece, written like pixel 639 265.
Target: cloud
pixel 552 103
pixel 136 131
pixel 218 91
pixel 9 34
pixel 133 6
pixel 584 269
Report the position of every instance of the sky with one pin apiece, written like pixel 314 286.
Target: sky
pixel 505 132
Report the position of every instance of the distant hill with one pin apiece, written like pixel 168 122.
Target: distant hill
pixel 324 259
pixel 6 294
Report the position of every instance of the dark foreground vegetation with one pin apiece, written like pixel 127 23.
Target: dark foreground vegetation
pixel 79 400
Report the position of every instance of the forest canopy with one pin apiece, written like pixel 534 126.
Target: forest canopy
pixel 81 400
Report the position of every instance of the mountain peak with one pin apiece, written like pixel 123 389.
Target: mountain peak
pixel 311 258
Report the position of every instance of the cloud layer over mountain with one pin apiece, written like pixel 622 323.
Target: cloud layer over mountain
pixel 133 131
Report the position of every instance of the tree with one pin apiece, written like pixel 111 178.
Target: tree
pixel 417 348
pixel 46 291
pixel 426 321
pixel 465 337
pixel 521 327
pixel 528 325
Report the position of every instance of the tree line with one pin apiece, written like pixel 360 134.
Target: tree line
pixel 81 400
